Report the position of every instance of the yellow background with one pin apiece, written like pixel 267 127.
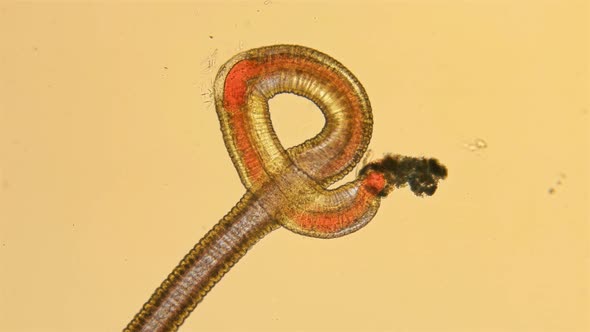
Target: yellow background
pixel 112 165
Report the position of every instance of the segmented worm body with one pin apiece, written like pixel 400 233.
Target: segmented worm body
pixel 285 187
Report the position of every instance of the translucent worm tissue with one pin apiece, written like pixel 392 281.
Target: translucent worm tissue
pixel 286 187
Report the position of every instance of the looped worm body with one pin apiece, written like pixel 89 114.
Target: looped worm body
pixel 285 187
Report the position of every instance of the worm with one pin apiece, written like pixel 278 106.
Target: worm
pixel 285 187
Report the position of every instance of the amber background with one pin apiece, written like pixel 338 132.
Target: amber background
pixel 112 165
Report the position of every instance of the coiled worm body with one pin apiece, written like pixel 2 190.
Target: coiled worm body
pixel 285 187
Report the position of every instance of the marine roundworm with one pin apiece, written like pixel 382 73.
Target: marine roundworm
pixel 285 187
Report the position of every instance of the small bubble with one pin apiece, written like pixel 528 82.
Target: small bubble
pixel 477 144
pixel 480 143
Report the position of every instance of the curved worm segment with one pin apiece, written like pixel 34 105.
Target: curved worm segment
pixel 242 89
pixel 300 201
pixel 341 211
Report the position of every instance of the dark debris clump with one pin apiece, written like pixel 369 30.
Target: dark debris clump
pixel 422 174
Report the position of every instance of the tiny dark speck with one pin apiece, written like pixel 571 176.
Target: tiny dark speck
pixel 210 37
pixel 165 67
pixel 551 191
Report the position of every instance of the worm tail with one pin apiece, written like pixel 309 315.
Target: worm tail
pixel 203 266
